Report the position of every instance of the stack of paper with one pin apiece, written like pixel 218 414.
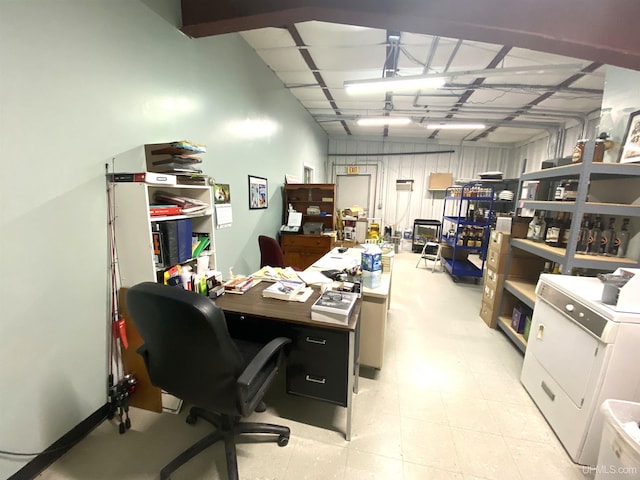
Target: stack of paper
pixel 284 289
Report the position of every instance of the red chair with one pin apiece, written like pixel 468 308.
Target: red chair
pixel 270 252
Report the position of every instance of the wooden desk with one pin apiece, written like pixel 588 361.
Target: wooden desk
pixel 322 360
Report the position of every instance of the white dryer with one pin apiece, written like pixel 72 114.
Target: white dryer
pixel 580 352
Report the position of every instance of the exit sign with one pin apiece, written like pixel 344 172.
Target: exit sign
pixel 353 170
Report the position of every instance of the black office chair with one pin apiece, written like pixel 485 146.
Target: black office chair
pixel 270 252
pixel 189 353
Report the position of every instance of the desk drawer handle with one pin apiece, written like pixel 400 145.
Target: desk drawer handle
pixel 319 342
pixel 315 380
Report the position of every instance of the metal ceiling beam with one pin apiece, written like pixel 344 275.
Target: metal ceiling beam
pixel 603 32
pixel 293 31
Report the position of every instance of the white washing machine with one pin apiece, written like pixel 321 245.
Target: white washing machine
pixel 580 352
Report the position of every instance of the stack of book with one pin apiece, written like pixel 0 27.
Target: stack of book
pixel 290 290
pixel 189 206
pixel 239 284
pixel 175 157
pixel 333 307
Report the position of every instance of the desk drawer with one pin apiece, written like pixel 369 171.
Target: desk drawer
pixel 318 364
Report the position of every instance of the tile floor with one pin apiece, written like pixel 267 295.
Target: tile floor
pixel 447 404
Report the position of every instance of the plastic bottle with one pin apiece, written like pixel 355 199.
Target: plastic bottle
pixel 185 276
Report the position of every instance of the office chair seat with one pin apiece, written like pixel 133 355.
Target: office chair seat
pixel 189 353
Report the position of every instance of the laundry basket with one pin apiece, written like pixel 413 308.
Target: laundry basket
pixel 619 456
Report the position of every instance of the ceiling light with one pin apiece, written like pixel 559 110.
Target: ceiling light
pixel 355 87
pixel 378 121
pixel 455 126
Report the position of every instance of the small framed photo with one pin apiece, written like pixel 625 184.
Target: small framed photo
pixel 258 192
pixel 630 147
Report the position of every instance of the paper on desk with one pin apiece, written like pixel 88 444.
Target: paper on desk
pixel 275 273
pixel 337 262
pixel 313 277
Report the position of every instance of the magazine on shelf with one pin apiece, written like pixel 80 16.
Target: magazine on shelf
pixel 334 307
pixel 189 205
pixel 284 290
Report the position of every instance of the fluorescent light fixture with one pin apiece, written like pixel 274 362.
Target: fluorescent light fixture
pixel 355 87
pixel 378 121
pixel 455 126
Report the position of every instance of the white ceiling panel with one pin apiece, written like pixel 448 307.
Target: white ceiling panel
pixel 350 53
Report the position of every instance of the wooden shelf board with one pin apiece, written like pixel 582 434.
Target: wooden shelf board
pixel 525 290
pixel 504 323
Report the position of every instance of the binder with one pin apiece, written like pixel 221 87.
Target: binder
pixel 176 235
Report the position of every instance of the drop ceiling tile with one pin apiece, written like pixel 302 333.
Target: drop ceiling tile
pixel 346 57
pixel 334 34
pixel 264 38
pixel 283 59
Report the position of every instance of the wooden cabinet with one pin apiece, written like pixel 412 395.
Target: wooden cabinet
pixel 603 189
pixel 301 251
pixel 308 198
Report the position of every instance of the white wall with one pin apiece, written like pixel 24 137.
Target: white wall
pixel 401 208
pixel 82 81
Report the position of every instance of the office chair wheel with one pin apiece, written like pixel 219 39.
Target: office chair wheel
pixel 191 419
pixel 283 441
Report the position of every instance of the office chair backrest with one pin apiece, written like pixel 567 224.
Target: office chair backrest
pixel 187 348
pixel 270 252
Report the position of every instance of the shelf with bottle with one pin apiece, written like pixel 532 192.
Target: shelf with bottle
pixel 594 247
pixel 466 217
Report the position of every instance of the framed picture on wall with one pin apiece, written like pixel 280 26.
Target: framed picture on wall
pixel 630 147
pixel 258 192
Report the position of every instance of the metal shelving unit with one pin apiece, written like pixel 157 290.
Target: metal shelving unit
pixel 586 172
pixel 457 202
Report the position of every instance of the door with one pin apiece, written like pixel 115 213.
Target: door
pixel 355 190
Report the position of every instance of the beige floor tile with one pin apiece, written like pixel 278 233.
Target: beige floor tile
pixel 429 444
pixel 313 460
pixel 367 466
pixel 484 455
pixel 471 414
pixel 541 460
pixel 414 471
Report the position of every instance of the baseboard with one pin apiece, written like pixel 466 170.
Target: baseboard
pixel 32 469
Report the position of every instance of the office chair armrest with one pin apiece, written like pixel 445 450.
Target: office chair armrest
pixel 252 371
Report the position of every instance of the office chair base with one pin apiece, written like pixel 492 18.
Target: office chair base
pixel 227 428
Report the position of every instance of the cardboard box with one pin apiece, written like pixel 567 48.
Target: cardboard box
pixel 491 297
pixel 488 315
pixel 493 279
pixel 519 227
pixel 497 261
pixel 499 242
pixel 446 251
